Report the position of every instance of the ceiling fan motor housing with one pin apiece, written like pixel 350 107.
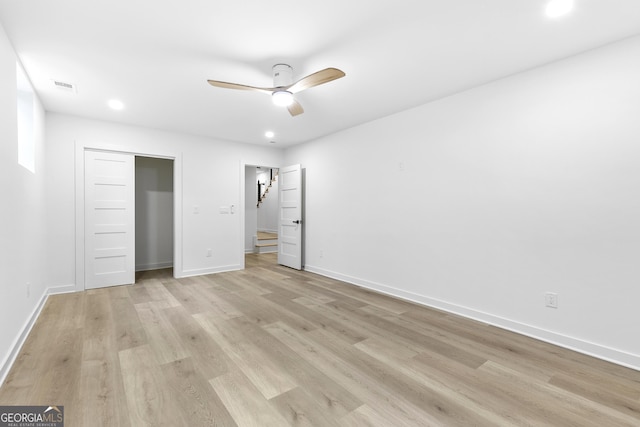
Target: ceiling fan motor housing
pixel 282 75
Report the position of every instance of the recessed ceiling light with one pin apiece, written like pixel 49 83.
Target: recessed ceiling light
pixel 269 134
pixel 115 104
pixel 558 8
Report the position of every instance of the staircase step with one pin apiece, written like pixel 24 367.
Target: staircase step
pixel 265 245
pixel 265 235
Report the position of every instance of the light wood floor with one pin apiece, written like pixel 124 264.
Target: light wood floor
pixel 270 346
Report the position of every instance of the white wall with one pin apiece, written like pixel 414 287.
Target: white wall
pixel 154 213
pixel 23 235
pixel 493 197
pixel 211 178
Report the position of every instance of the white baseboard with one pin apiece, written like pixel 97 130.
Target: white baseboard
pixel 599 351
pixel 62 290
pixel 203 271
pixel 8 362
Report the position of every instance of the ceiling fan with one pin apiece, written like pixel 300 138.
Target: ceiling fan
pixel 283 86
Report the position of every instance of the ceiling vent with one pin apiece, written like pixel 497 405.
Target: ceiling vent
pixel 69 87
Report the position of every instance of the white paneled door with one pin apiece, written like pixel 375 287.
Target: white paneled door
pixel 109 219
pixel 290 217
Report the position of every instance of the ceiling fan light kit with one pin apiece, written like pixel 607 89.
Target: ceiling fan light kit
pixel 282 98
pixel 283 87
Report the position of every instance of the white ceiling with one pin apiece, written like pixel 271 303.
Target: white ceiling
pixel 156 56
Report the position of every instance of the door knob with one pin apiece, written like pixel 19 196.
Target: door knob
pixel 297 221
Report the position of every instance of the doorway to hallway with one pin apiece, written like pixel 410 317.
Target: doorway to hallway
pixel 261 209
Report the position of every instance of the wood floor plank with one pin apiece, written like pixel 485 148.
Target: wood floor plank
pixel 263 311
pixel 428 395
pixel 139 294
pixel 159 294
pixel 431 342
pixel 371 326
pixel 471 383
pixel 274 346
pixel 300 306
pixel 184 292
pixel 561 406
pixel 368 297
pixel 216 303
pixel 259 369
pixel 235 282
pixel 617 399
pixel 209 359
pixel 390 409
pixel 102 396
pixel 328 396
pixel 245 403
pixel 300 409
pixel 452 391
pixel 161 336
pixel 128 329
pixel 149 397
pixel 364 416
pixel 193 393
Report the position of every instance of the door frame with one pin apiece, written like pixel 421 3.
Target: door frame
pixel 242 207
pixel 80 148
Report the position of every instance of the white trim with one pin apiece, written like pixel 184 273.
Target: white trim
pixel 15 348
pixel 599 351
pixel 67 289
pixel 213 270
pixel 80 148
pixel 241 213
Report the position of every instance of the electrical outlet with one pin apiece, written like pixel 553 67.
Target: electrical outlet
pixel 551 299
pixel 321 253
pixel 208 252
pixel 28 289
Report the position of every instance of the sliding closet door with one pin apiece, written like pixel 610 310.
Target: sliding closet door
pixel 109 219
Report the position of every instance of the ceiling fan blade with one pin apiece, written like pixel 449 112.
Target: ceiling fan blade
pixel 295 108
pixel 227 85
pixel 315 79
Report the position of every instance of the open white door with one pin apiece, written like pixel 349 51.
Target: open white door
pixel 109 219
pixel 290 217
